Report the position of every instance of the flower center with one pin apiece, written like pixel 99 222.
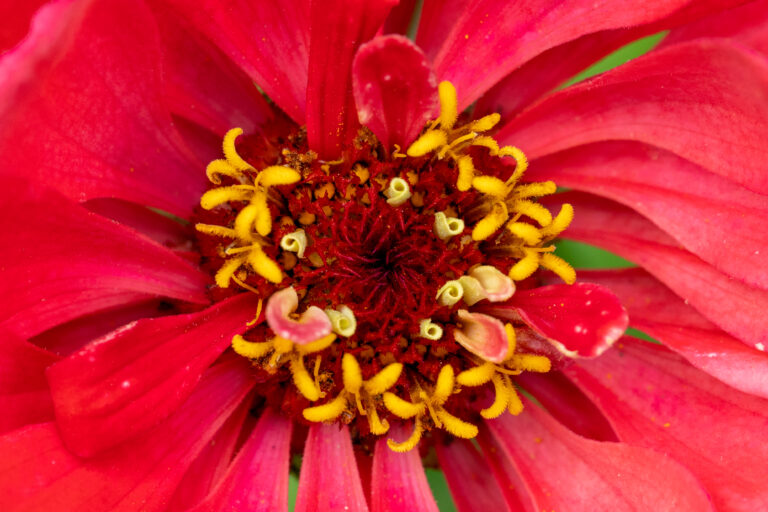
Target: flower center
pixel 369 268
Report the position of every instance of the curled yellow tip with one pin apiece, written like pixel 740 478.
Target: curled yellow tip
pixel 230 152
pixel 397 192
pixel 244 222
pixel 213 230
pixel 303 381
pixel 378 427
pixel 466 173
pixel 250 349
pixel 485 123
pixel 515 405
pixel 430 330
pixel 450 293
pixel 224 274
pixel 490 185
pixel 447 227
pixel 455 426
pixel 487 142
pixel 265 266
pixel 526 232
pixel 402 408
pixel 531 363
pixel 218 168
pixel 491 223
pixel 410 443
pixel 448 105
pixel 526 266
pixel 317 345
pixel 444 384
pixel 326 412
pixel 276 175
pixel 560 222
pixel 216 196
pixel 538 189
pixel 476 376
pixel 559 266
pixel 263 215
pixel 295 242
pixel 383 380
pixel 511 338
pixel 351 374
pixel 500 401
pixel 427 143
pixel 521 160
pixel 533 210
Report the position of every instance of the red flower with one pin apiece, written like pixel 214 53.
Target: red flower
pixel 118 388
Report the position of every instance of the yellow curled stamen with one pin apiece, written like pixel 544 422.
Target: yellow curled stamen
pixel 501 400
pixel 542 188
pixel 448 105
pixel 264 266
pixel 515 405
pixel 530 363
pixel 213 230
pixel 520 159
pixel 303 380
pixel 410 443
pixel 560 222
pixel 378 427
pixel 559 266
pixel 485 123
pixel 533 210
pixel 244 222
pixel 295 242
pixel 491 186
pixel 526 232
pixel 218 168
pixel 511 338
pixel 488 142
pixel 444 385
pixel 466 173
pixel 250 349
pixel 402 408
pixel 477 376
pixel 224 274
pixel 526 266
pixel 430 330
pixel 263 215
pixel 217 196
pixel 491 223
pixel 276 175
pixel 326 412
pixel 455 426
pixel 317 345
pixel 385 379
pixel 427 143
pixel 230 152
pixel 450 293
pixel 447 227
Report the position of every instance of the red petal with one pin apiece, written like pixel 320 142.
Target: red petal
pixel 567 404
pixel 24 394
pixel 395 89
pixel 83 109
pixel 669 98
pixel 329 480
pixel 16 18
pixel 269 40
pixel 516 493
pixel 733 306
pixel 204 85
pixel 210 466
pixel 657 400
pixel 338 28
pixel 466 471
pixel 37 473
pixel 398 482
pixel 724 229
pixel 60 262
pixel 581 320
pixel 566 472
pixel 657 311
pixel 489 38
pixel 257 480
pixel 128 381
pixel 399 19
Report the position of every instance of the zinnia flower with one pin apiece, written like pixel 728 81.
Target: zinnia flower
pixel 354 262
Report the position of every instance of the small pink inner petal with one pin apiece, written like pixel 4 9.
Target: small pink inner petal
pixel 311 325
pixel 482 335
pixel 497 286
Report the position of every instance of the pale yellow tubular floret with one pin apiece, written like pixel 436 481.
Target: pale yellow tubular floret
pixel 449 112
pixel 230 152
pixel 450 293
pixel 398 192
pixel 501 400
pixel 218 168
pixel 343 321
pixel 326 412
pixel 466 173
pixel 526 266
pixel 224 274
pixel 559 266
pixel 491 223
pixel 428 142
pixel 526 232
pixel 447 227
pixel 295 242
pixel 250 349
pixel 430 330
pixel 477 376
pixel 264 266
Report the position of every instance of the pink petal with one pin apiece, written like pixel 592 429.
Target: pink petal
pixel 24 394
pixel 338 28
pixel 668 98
pixel 257 480
pixel 329 480
pixel 312 325
pixel 656 400
pixel 398 482
pixel 60 262
pixel 466 471
pixel 482 335
pixel 128 381
pixel 489 38
pixel 580 320
pixel 567 404
pixel 395 89
pixel 202 83
pixel 83 109
pixel 733 306
pixel 211 464
pixel 724 229
pixel 38 473
pixel 515 491
pixel 567 472
pixel 268 40
pixel 657 311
